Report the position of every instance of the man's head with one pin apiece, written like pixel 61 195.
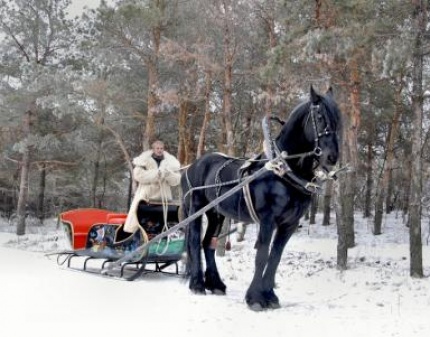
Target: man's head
pixel 158 149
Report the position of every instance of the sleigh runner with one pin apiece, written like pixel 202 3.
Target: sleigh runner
pixel 97 239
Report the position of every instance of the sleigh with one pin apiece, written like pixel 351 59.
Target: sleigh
pixel 97 240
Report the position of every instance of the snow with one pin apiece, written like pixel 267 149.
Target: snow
pixel 374 297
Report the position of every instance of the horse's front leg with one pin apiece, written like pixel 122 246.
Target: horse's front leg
pixel 283 234
pixel 194 264
pixel 255 295
pixel 213 281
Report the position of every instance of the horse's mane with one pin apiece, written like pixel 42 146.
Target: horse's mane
pixel 332 112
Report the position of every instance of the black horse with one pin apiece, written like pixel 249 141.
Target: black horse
pixel 276 199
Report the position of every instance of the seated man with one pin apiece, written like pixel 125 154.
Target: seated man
pixel 156 171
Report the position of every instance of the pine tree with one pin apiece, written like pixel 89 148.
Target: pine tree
pixel 36 38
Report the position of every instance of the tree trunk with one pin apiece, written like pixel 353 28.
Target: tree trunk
pixel 270 30
pixel 339 204
pixel 327 202
pixel 207 115
pixel 350 153
pixel 313 209
pixel 224 240
pixel 379 212
pixel 96 166
pixel 40 212
pixel 348 195
pixel 342 246
pixel 415 243
pixel 345 187
pixel 386 183
pixel 228 82
pixel 228 110
pixel 25 170
pixel 406 180
pixel 102 193
pixel 379 204
pixel 369 178
pixel 390 142
pixel 183 131
pixel 149 133
pixel 227 105
pixel 227 121
pixel 151 63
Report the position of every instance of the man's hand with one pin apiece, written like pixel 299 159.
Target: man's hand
pixel 163 173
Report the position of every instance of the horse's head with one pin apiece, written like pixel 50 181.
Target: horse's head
pixel 322 128
pixel 311 133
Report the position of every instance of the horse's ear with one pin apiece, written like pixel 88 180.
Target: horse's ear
pixel 314 96
pixel 330 91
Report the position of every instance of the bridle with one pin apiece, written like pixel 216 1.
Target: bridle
pixel 314 109
pixel 283 169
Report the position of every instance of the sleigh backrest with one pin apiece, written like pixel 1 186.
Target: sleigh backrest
pixel 77 223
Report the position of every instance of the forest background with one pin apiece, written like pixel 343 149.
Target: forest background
pixel 81 96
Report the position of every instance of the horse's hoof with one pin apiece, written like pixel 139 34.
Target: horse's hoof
pixel 215 285
pixel 274 305
pixel 220 290
pixel 198 291
pixel 257 307
pixel 197 288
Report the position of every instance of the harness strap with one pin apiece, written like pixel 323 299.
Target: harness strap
pixel 248 202
pixel 290 177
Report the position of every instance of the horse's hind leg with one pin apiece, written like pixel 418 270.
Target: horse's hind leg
pixel 213 281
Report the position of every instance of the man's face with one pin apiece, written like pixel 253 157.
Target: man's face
pixel 158 149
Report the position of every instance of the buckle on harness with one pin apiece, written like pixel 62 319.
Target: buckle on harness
pixel 318 151
pixel 313 188
pixel 277 167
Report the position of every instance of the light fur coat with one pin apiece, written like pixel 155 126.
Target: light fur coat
pixel 153 183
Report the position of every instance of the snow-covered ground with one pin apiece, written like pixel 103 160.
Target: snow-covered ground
pixel 374 297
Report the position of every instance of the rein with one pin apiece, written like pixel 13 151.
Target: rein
pixel 217 185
